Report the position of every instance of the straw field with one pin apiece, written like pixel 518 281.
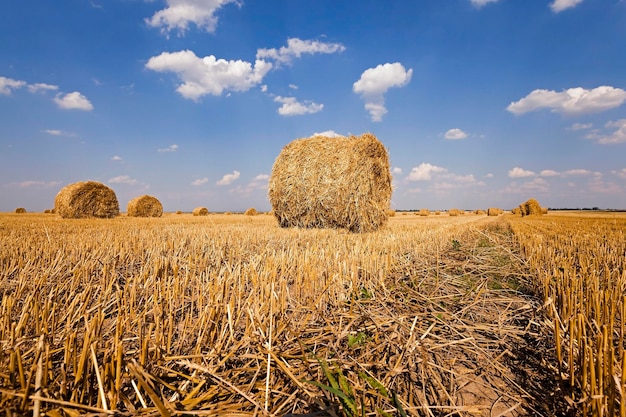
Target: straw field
pixel 433 316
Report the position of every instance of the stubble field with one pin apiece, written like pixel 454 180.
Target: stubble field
pixel 232 315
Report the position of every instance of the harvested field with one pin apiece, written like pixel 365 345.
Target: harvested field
pixel 430 316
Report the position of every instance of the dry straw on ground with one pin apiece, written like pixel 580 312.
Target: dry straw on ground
pixel 145 206
pixel 86 199
pixel 531 208
pixel 200 211
pixel 251 212
pixel 326 182
pixel 20 210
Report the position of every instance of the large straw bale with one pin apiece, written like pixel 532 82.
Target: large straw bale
pixel 200 211
pixel 324 182
pixel 531 208
pixel 86 199
pixel 144 206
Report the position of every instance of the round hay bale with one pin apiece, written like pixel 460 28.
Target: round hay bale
pixel 86 199
pixel 479 211
pixel 144 206
pixel 200 211
pixel 20 210
pixel 251 212
pixel 391 213
pixel 544 210
pixel 322 182
pixel 493 211
pixel 531 208
pixel 438 213
pixel 179 212
pixel 453 212
pixel 424 212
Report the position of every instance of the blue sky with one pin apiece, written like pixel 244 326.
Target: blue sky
pixel 480 102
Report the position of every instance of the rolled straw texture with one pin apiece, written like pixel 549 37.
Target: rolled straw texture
pixel 86 199
pixel 326 182
pixel 144 206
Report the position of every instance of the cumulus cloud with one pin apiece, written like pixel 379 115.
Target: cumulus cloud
pixel 180 13
pixel 200 181
pixel 375 82
pixel 296 48
pixel 41 87
pixel 229 178
pixel 578 172
pixel 573 101
pixel 116 158
pixel 171 148
pixel 621 173
pixel 209 75
pixel 537 185
pixel 558 6
pixel 328 134
pixel 455 134
pixel 481 3
pixel 518 172
pixel 424 172
pixel 73 101
pixel 549 173
pixel 396 171
pixel 123 179
pixel 7 85
pixel 292 107
pixel 580 126
pixel 618 135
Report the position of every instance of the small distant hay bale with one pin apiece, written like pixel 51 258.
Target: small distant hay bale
pixel 179 212
pixel 438 213
pixel 144 206
pixel 228 213
pixel 515 210
pixel 479 211
pixel 544 210
pixel 453 212
pixel 424 212
pixel 251 212
pixel 20 210
pixel 323 182
pixel 200 211
pixel 531 208
pixel 391 213
pixel 494 211
pixel 86 199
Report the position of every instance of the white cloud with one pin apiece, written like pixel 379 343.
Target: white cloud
pixel 296 48
pixel 7 85
pixel 293 86
pixel 328 134
pixel 424 172
pixel 481 3
pixel 229 178
pixel 73 101
pixel 260 182
pixel 57 132
pixel 621 173
pixel 26 184
pixel 578 172
pixel 262 177
pixel 116 158
pixel 617 136
pixel 123 179
pixel 292 107
pixel 518 172
pixel 580 126
pixel 375 82
pixel 396 171
pixel 490 175
pixel 560 5
pixel 38 87
pixel 180 13
pixel 455 134
pixel 171 148
pixel 537 185
pixel 209 75
pixel 549 173
pixel 264 88
pixel 200 181
pixel 573 101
